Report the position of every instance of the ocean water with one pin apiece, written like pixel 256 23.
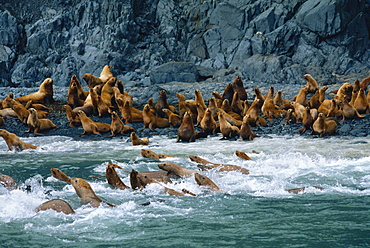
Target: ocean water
pixel 254 210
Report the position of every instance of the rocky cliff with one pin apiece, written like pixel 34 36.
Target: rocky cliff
pixel 272 41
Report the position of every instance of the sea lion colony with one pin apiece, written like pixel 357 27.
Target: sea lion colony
pixel 229 113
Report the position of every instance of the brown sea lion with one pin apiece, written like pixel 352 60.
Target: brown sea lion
pixel 200 114
pixel 91 126
pixel 311 83
pixel 13 141
pixel 161 104
pixel 8 182
pixel 345 91
pixel 212 106
pixel 365 83
pixel 106 74
pixel 199 99
pixel 91 80
pixel 38 125
pixel 73 96
pixel 242 155
pixel 107 91
pixel 280 102
pixel 298 190
pixel 8 112
pixel 150 154
pixel 117 126
pixel 20 110
pixel 228 92
pixel 237 104
pixel 301 98
pixel 205 164
pixel 205 181
pixel 86 193
pixel 259 96
pixel 37 106
pixel 138 141
pixel 173 118
pixel 307 121
pixel 81 93
pixel 56 205
pixel 151 121
pixel 218 98
pixel 58 174
pixel 253 113
pixel 176 169
pixel 227 130
pixel 238 87
pixel 323 126
pixel 350 112
pixel 314 101
pixel 7 103
pixel 73 119
pixel 43 95
pixel 208 123
pixel 246 132
pixel 299 111
pixel 138 179
pixel 335 110
pixel 186 131
pixel 113 178
pixel 269 110
pixel 361 104
pixel 102 108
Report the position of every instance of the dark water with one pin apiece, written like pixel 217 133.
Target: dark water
pixel 253 211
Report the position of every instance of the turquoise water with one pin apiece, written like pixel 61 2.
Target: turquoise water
pixel 253 211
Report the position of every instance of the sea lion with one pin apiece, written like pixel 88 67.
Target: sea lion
pixel 82 94
pixel 246 132
pixel 345 91
pixel 242 155
pixel 361 104
pixel 335 110
pixel 176 169
pixel 311 83
pixel 117 126
pixel 365 83
pixel 208 123
pixel 91 80
pixel 237 104
pixel 20 110
pixel 151 121
pixel 269 110
pixel 2 121
pixel 218 98
pixel 173 118
pixel 161 104
pixel 8 182
pixel 13 141
pixel 57 205
pixel 73 119
pixel 138 141
pixel 301 98
pixel 350 112
pixel 227 130
pixel 205 181
pixel 238 87
pixel 314 101
pixel 280 102
pixel 299 111
pixel 107 91
pixel 73 96
pixel 128 113
pixel 259 96
pixel 307 121
pixel 58 174
pixel 7 103
pixel 298 190
pixel 200 114
pixel 186 131
pixel 253 112
pixel 37 106
pixel 228 92
pixel 38 125
pixel 113 178
pixel 323 126
pixel 150 154
pixel 102 107
pixel 43 95
pixel 91 126
pixel 86 193
pixel 106 74
pixel 199 99
pixel 213 107
pixel 205 164
pixel 8 112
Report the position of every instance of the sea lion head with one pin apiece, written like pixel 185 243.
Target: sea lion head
pixel 58 174
pixel 148 154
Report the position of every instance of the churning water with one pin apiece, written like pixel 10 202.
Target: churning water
pixel 253 211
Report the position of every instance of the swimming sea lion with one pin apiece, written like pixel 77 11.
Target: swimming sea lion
pixel 8 182
pixel 43 95
pixel 138 141
pixel 113 178
pixel 186 131
pixel 58 174
pixel 205 181
pixel 38 125
pixel 205 164
pixel 150 154
pixel 177 169
pixel 86 193
pixel 13 141
pixel 242 155
pixel 57 205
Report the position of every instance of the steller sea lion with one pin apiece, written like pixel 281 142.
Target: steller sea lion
pixel 323 126
pixel 58 174
pixel 311 83
pixel 91 80
pixel 38 125
pixel 208 123
pixel 307 121
pixel 199 99
pixel 345 91
pixel 86 193
pixel 73 119
pixel 246 132
pixel 117 126
pixel 176 169
pixel 365 83
pixel 73 97
pixel 301 98
pixel 43 95
pixel 186 131
pixel 57 205
pixel 173 118
pixel 361 104
pixel 242 155
pixel 20 110
pixel 7 103
pixel 113 178
pixel 350 112
pixel 13 141
pixel 239 88
pixel 138 141
pixel 151 121
pixel 91 126
pixel 205 181
pixel 150 154
pixel 204 164
pixel 107 91
pixel 8 182
pixel 227 130
pixel 228 92
pixel 106 74
pixel 162 103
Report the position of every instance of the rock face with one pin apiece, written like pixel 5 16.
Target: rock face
pixel 159 41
